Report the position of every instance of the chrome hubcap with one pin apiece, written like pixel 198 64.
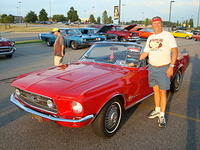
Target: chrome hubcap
pixel 113 117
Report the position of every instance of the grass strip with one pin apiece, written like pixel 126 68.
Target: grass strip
pixel 28 42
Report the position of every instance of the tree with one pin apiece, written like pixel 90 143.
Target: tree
pixel 147 22
pixel 99 20
pixel 59 18
pixel 110 21
pixel 43 15
pixel 31 17
pixel 105 17
pixel 191 22
pixel 72 15
pixel 92 19
pixel 6 20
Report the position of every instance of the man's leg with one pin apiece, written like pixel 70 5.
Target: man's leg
pixel 156 112
pixel 157 96
pixel 163 102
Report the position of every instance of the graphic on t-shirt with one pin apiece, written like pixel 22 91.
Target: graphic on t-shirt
pixel 155 44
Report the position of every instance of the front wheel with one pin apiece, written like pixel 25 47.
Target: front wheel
pixel 9 55
pixel 108 121
pixel 49 43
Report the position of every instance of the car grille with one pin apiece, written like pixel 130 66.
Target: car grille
pixel 6 49
pixel 35 100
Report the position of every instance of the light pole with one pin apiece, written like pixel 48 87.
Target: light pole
pixel 122 14
pixel 198 14
pixel 19 8
pixel 170 9
pixel 119 11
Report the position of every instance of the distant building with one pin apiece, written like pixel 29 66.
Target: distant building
pixel 84 20
pixel 18 19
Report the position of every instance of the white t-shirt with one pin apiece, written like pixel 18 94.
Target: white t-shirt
pixel 159 48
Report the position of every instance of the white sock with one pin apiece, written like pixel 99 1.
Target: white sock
pixel 162 114
pixel 157 109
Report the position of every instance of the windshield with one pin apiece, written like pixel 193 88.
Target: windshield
pixel 117 54
pixel 73 32
pixel 88 31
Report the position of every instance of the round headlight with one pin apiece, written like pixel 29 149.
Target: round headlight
pixel 17 92
pixel 98 39
pixel 77 107
pixel 50 104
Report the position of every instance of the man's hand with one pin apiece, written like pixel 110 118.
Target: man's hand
pixel 143 55
pixel 170 72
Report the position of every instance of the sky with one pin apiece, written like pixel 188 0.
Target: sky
pixel 130 9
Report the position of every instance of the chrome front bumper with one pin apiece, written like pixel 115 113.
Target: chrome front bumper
pixel 16 102
pixel 8 52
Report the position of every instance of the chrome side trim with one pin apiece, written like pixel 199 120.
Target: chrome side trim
pixel 17 103
pixel 139 101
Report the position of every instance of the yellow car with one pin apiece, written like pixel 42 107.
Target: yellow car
pixel 181 33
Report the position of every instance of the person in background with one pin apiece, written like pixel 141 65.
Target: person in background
pixel 58 47
pixel 161 48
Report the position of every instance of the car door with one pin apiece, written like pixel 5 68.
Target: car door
pixel 139 87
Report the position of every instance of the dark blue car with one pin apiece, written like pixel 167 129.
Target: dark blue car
pixel 73 38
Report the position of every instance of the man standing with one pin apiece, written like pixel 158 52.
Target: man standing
pixel 161 48
pixel 59 47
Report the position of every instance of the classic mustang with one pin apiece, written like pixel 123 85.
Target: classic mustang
pixel 96 90
pixel 73 38
pixel 7 47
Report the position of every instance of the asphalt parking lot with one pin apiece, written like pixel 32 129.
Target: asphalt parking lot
pixel 19 131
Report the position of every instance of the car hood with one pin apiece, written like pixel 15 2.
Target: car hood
pixel 105 28
pixel 73 80
pixel 129 27
pixel 5 42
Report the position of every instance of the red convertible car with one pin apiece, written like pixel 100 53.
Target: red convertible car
pixel 7 47
pixel 107 80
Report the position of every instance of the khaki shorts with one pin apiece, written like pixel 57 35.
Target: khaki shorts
pixel 58 60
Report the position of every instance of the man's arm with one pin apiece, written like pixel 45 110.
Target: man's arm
pixel 174 56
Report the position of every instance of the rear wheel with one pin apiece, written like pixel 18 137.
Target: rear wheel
pixel 177 81
pixel 187 37
pixel 108 121
pixel 73 45
pixel 122 39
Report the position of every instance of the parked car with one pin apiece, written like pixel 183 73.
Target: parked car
pixel 182 33
pixel 105 81
pixel 123 34
pixel 143 32
pixel 196 37
pixel 73 38
pixel 194 32
pixel 94 31
pixel 88 30
pixel 7 47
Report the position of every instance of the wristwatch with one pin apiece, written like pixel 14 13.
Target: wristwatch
pixel 171 65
